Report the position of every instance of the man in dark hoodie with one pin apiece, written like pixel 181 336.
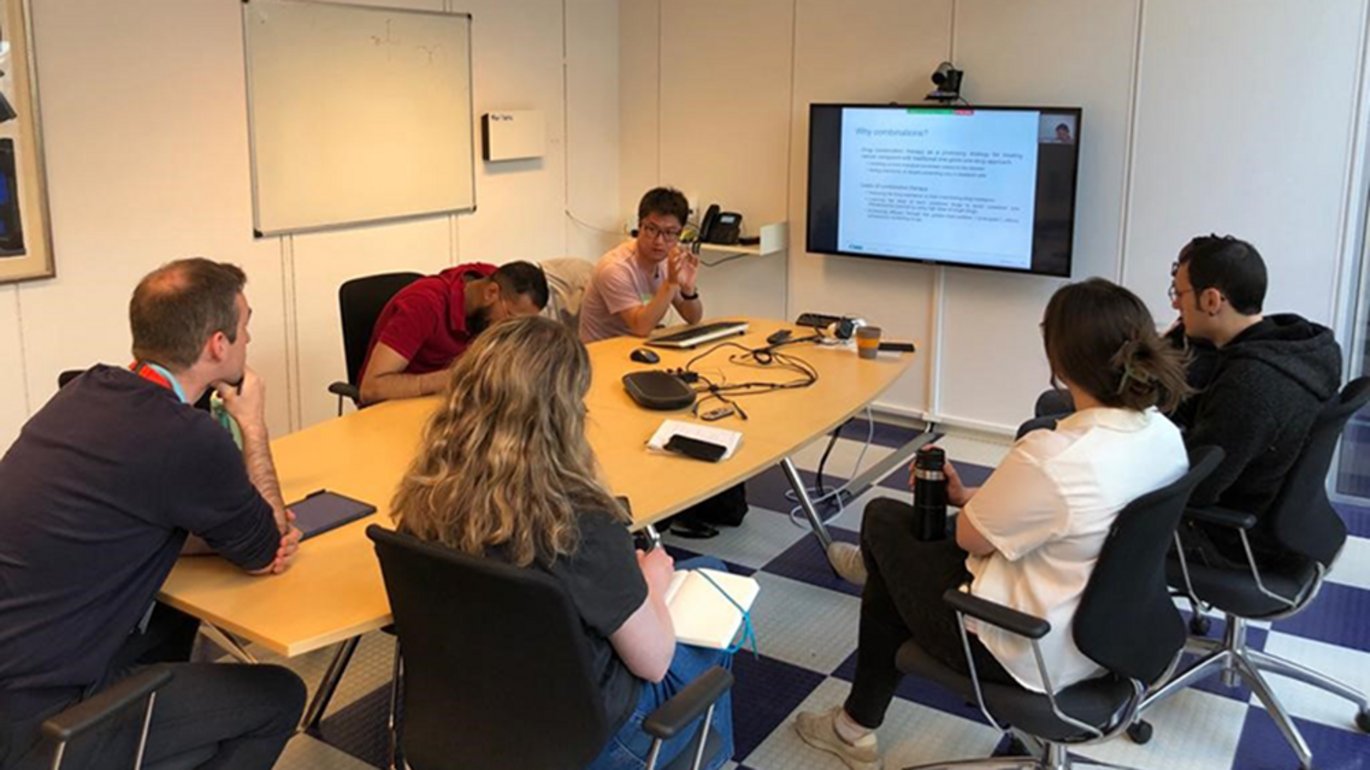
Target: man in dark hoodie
pixel 1269 378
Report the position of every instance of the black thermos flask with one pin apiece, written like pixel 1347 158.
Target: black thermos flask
pixel 930 494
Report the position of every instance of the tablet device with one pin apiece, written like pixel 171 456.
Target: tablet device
pixel 321 511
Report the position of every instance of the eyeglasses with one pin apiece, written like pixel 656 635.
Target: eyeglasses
pixel 1175 293
pixel 653 232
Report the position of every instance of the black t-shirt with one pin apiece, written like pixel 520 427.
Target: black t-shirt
pixel 99 492
pixel 606 586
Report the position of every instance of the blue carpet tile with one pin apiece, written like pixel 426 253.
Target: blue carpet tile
pixel 804 562
pixel 1339 615
pixel 911 688
pixel 764 694
pixel 1262 746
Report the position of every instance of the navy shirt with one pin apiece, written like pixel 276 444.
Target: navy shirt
pixel 96 498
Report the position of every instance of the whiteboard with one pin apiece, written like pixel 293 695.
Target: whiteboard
pixel 356 114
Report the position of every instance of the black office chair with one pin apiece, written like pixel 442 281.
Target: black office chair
pixel 497 674
pixel 1306 528
pixel 360 302
pixel 82 719
pixel 1126 623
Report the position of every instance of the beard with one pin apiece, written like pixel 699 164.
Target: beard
pixel 478 321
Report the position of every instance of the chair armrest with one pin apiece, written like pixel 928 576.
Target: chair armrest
pixel 92 711
pixel 345 390
pixel 686 706
pixel 1225 517
pixel 1011 620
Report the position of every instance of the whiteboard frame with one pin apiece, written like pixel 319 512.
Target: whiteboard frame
pixel 257 232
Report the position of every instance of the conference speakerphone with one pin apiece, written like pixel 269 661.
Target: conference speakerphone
pixel 697 335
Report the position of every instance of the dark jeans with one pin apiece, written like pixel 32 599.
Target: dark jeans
pixel 629 746
pixel 902 600
pixel 219 716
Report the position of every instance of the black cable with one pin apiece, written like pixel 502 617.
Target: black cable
pixel 765 358
pixel 724 260
pixel 822 461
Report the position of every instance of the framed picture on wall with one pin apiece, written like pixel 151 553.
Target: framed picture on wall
pixel 25 237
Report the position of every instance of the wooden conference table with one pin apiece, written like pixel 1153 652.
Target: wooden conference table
pixel 334 593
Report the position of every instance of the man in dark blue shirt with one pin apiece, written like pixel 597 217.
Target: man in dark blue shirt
pixel 106 486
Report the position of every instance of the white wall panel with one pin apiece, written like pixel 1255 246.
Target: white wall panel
pixel 864 52
pixel 520 205
pixel 1244 123
pixel 322 262
pixel 144 121
pixel 13 401
pixel 1057 53
pixel 639 102
pixel 146 130
pixel 592 61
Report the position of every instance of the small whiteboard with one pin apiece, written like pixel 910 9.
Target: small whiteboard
pixel 356 114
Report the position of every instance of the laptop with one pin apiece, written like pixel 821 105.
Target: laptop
pixel 691 336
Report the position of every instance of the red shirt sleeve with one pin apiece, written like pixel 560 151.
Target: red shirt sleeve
pixel 408 321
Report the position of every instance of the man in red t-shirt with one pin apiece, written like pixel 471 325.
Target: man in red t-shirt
pixel 424 327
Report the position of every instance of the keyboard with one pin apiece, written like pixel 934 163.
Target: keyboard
pixel 691 336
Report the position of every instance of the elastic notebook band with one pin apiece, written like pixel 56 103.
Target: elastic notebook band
pixel 748 632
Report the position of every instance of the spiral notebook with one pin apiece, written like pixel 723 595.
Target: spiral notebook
pixel 701 614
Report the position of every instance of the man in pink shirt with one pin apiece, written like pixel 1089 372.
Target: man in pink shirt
pixel 638 281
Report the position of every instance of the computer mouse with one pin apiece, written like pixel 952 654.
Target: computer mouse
pixel 645 356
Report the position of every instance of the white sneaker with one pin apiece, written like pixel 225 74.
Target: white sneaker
pixel 819 731
pixel 846 560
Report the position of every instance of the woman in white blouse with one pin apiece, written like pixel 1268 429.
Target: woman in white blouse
pixel 1028 538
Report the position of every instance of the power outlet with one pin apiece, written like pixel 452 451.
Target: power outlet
pixel 696 210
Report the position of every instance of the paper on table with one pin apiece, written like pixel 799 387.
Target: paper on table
pixel 729 439
pixel 703 616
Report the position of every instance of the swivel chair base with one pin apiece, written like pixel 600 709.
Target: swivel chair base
pixel 1240 664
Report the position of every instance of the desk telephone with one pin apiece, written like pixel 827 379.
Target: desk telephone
pixel 722 227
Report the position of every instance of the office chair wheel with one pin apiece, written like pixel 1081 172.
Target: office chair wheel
pixel 1363 720
pixel 1139 731
pixel 1200 624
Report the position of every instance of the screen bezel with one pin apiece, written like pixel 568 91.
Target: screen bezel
pixel 1074 186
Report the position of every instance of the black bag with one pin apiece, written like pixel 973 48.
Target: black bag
pixel 726 508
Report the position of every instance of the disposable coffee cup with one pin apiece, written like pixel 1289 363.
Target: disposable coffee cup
pixel 868 341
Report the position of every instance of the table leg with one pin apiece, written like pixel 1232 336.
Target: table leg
pixel 857 486
pixel 820 530
pixel 313 714
pixel 226 642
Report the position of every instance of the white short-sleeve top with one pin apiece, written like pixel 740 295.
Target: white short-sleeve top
pixel 1047 510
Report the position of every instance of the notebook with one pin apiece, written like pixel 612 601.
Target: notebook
pixel 728 439
pixel 701 614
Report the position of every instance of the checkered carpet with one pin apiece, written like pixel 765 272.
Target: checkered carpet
pixel 806 622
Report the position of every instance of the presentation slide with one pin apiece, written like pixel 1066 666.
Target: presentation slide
pixel 954 185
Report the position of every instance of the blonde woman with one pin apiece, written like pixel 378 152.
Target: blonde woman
pixel 505 472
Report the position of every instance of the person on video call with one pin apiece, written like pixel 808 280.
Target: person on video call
pixel 638 281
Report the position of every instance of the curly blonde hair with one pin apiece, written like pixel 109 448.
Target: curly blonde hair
pixel 504 461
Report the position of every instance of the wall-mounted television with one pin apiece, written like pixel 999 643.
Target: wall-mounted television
pixel 984 187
